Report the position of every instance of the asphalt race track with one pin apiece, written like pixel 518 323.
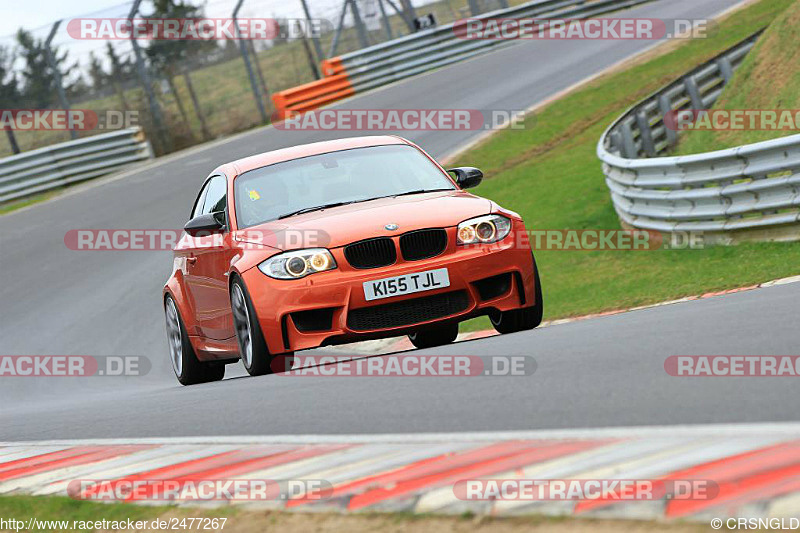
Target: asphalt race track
pixel 595 373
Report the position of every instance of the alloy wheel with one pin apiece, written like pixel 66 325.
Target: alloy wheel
pixel 175 337
pixel 241 320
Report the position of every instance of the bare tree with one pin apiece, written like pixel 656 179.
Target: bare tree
pixel 10 96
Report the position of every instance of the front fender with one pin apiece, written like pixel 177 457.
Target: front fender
pixel 251 255
pixel 176 287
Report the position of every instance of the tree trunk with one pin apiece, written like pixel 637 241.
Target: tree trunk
pixel 12 141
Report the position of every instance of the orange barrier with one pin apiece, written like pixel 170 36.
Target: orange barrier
pixel 302 98
pixel 332 66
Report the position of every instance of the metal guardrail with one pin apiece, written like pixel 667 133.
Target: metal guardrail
pixel 753 187
pixel 426 50
pixel 430 49
pixel 62 164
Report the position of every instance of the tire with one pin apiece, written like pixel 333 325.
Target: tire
pixel 188 369
pixel 438 336
pixel 256 357
pixel 523 319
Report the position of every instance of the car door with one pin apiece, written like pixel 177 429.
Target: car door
pixel 208 259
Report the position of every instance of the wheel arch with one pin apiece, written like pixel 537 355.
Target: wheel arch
pixel 176 289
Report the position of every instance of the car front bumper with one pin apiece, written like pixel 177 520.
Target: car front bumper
pixel 330 307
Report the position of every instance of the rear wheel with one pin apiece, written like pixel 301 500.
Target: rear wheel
pixel 437 336
pixel 256 358
pixel 188 369
pixel 521 319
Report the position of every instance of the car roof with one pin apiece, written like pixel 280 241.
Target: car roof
pixel 240 166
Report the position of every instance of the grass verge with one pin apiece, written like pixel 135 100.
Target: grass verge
pixel 240 520
pixel 8 207
pixel 549 173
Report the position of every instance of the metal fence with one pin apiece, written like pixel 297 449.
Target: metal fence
pixel 63 164
pixel 752 188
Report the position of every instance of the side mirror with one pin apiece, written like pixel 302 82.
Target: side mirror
pixel 467 177
pixel 203 225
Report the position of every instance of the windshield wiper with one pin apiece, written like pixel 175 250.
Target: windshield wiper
pixel 314 208
pixel 337 204
pixel 416 191
pixel 419 191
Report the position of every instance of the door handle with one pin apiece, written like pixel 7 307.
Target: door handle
pixel 191 260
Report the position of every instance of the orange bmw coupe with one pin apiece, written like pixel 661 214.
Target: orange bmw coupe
pixel 337 242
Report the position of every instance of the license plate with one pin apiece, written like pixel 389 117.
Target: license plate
pixel 406 284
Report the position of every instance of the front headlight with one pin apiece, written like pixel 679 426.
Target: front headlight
pixel 298 263
pixel 485 229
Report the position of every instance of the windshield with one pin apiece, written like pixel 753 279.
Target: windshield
pixel 346 176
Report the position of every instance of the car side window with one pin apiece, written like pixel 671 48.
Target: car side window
pixel 216 196
pixel 198 204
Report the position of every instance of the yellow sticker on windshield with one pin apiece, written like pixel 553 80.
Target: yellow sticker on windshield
pixel 254 195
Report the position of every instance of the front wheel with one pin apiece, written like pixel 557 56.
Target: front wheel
pixel 521 319
pixel 437 336
pixel 256 358
pixel 188 369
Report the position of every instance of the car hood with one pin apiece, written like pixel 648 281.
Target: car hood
pixel 342 225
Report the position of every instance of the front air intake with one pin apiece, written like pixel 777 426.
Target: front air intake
pixel 371 253
pixel 408 312
pixel 422 244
